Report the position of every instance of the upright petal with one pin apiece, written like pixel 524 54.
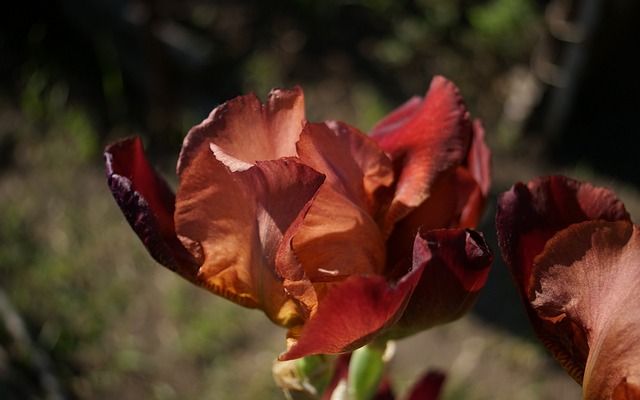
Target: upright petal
pixel 249 131
pixel 340 236
pixel 148 203
pixel 235 223
pixel 434 139
pixel 589 274
pixel 478 164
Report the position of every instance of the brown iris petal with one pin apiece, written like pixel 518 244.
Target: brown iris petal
pixel 249 131
pixel 339 236
pixel 235 223
pixel 589 274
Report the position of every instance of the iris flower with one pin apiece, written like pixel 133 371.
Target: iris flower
pixel 575 259
pixel 337 236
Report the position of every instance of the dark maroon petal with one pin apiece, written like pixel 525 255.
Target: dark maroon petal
pixel 353 313
pixel 147 202
pixel 428 387
pixel 456 264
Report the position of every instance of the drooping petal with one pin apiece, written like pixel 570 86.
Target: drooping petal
pixel 148 204
pixel 456 264
pixel 527 217
pixel 424 144
pixel 589 274
pixel 249 131
pixel 353 313
pixel 235 224
pixel 339 236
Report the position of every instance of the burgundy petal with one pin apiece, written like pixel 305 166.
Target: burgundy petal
pixel 147 202
pixel 434 139
pixel 428 387
pixel 456 264
pixel 353 313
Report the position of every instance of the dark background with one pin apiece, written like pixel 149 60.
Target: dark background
pixel 555 83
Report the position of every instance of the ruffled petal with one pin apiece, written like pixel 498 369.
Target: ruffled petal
pixel 456 264
pixel 238 223
pixel 249 131
pixel 353 313
pixel 527 217
pixel 428 140
pixel 589 274
pixel 148 204
pixel 340 236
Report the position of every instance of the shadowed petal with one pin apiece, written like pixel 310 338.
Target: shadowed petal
pixel 589 274
pixel 428 387
pixel 443 209
pixel 148 203
pixel 527 217
pixel 433 140
pixel 339 236
pixel 353 313
pixel 479 166
pixel 249 131
pixel 235 224
pixel 456 264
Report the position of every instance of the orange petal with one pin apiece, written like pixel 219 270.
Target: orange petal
pixel 249 131
pixel 235 224
pixel 589 274
pixel 340 236
pixel 424 142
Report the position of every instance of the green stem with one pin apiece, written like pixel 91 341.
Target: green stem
pixel 365 372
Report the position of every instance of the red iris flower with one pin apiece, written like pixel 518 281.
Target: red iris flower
pixel 332 233
pixel 575 258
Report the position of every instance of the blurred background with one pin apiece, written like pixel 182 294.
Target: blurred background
pixel 85 313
